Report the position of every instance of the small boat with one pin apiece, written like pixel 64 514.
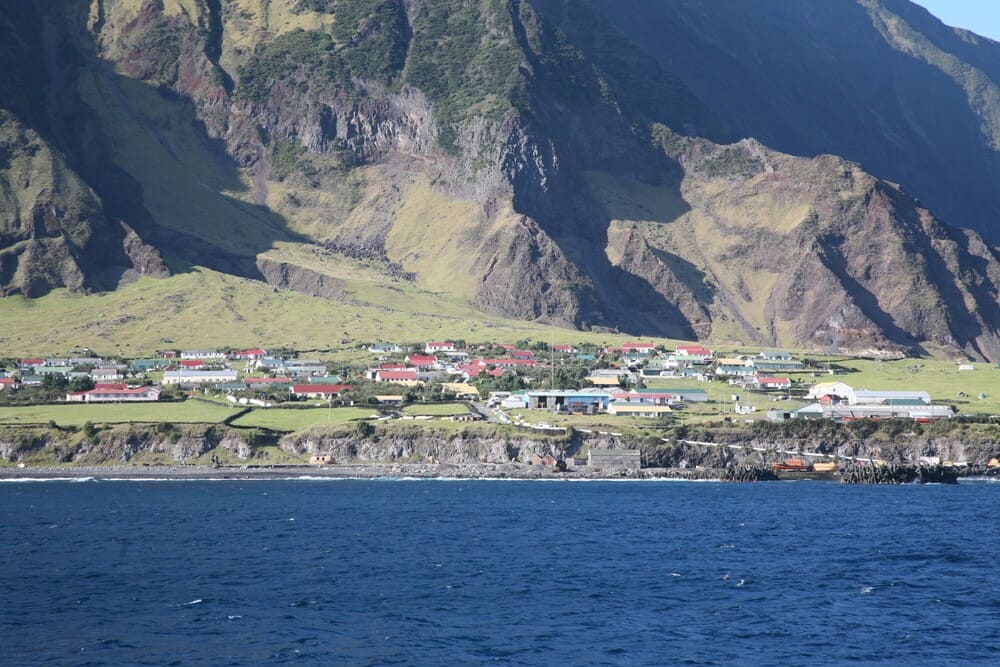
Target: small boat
pixel 799 469
pixel 791 465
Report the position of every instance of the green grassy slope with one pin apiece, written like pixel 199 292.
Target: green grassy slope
pixel 204 308
pixel 188 412
pixel 941 379
pixel 295 420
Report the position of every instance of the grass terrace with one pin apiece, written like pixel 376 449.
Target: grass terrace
pixel 188 412
pixel 636 426
pixel 289 420
pixel 940 378
pixel 436 409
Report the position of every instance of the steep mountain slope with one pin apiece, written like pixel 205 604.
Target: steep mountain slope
pixel 54 231
pixel 826 253
pixel 880 82
pixel 465 148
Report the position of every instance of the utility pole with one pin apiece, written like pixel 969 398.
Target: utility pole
pixel 552 360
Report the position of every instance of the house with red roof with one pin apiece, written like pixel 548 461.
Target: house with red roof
pixel 565 349
pixel 639 347
pixel 320 390
pixel 421 361
pixel 644 396
pixel 522 354
pixel 249 355
pixel 110 385
pixel 31 363
pixel 373 372
pixel 9 383
pixel 192 364
pixel 651 396
pixel 694 351
pixel 475 369
pixel 407 377
pixel 115 393
pixel 762 382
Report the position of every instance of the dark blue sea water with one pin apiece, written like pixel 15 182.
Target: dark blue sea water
pixel 448 572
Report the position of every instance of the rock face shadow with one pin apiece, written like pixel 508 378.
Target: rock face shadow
pixel 194 213
pixel 694 279
pixel 623 298
pixel 142 149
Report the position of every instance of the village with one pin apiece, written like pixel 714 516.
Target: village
pixel 499 382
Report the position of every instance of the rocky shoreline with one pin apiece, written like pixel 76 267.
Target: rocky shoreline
pixel 514 471
pixel 505 471
pixel 186 451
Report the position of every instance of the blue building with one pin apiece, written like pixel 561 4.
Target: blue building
pixel 588 401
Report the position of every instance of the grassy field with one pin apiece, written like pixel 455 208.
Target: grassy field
pixel 636 426
pixel 188 412
pixel 941 379
pixel 140 318
pixel 288 420
pixel 720 403
pixel 437 409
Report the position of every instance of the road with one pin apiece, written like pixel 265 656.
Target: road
pixel 484 411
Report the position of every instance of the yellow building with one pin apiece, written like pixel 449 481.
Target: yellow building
pixel 638 409
pixel 462 390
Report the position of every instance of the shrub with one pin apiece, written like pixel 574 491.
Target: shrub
pixel 365 429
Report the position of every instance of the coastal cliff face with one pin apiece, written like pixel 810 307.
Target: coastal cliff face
pixel 140 444
pixel 120 444
pixel 530 159
pixel 420 446
pixel 168 444
pixel 739 448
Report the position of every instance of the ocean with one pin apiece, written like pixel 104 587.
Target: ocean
pixel 379 572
